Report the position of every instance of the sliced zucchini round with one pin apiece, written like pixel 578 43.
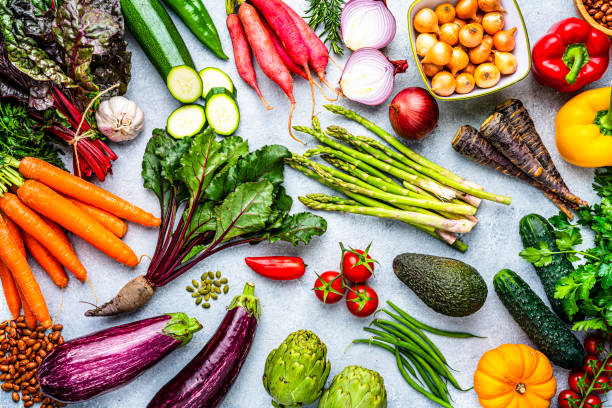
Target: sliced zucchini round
pixel 186 121
pixel 184 84
pixel 222 111
pixel 215 78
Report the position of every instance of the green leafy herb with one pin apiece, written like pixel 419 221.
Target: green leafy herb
pixel 228 196
pixel 588 289
pixel 327 12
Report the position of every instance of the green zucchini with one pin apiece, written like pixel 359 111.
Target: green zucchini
pixel 215 78
pixel 534 229
pixel 540 324
pixel 186 121
pixel 184 84
pixel 154 30
pixel 222 111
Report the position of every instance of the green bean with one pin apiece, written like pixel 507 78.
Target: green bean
pixel 439 384
pixel 418 331
pixel 387 347
pixel 426 378
pixel 414 385
pixel 416 339
pixel 439 332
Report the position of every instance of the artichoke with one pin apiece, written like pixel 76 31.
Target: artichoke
pixel 297 370
pixel 355 387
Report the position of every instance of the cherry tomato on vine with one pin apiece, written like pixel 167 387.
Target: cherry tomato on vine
pixel 329 287
pixel 591 361
pixel 357 265
pixel 607 370
pixel 578 381
pixel 566 396
pixel 602 384
pixel 594 344
pixel 362 300
pixel 592 401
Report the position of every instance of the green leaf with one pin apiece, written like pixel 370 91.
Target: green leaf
pixel 566 240
pixel 202 220
pixel 265 163
pixel 301 227
pixel 560 221
pixel 539 256
pixel 590 324
pixel 244 211
pixel 605 273
pixel 151 165
pixel 280 208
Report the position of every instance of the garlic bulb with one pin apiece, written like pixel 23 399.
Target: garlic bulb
pixel 120 119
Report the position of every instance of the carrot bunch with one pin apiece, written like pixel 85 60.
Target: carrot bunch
pixel 48 200
pixel 283 44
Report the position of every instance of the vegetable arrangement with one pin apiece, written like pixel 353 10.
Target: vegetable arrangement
pixel 415 353
pixel 40 208
pixel 54 61
pixel 509 142
pixel 213 195
pixel 465 46
pixel 429 197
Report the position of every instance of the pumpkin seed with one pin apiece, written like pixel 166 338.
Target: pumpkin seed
pixel 207 297
pixel 203 291
pixel 195 283
pixel 214 296
pixel 218 274
pixel 195 295
pixel 199 300
pixel 205 305
pixel 211 275
pixel 224 280
pixel 225 289
pixel 189 289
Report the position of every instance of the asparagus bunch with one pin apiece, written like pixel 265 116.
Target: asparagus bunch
pixel 388 182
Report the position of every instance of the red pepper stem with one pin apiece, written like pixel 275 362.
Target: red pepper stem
pixel 577 57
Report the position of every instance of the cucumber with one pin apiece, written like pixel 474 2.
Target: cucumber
pixel 540 324
pixel 157 35
pixel 186 121
pixel 215 78
pixel 222 111
pixel 184 84
pixel 534 229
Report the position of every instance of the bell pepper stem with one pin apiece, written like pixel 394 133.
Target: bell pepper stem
pixel 576 56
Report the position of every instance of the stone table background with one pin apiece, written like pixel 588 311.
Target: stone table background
pixel 289 306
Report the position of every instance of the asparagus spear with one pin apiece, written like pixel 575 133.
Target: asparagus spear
pixel 456 226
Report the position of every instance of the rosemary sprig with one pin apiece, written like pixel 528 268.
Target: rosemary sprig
pixel 327 12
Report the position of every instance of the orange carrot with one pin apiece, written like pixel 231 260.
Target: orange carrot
pixel 32 223
pixel 18 265
pixel 65 183
pixel 16 235
pixel 112 223
pixel 30 319
pixel 46 261
pixel 11 293
pixel 61 210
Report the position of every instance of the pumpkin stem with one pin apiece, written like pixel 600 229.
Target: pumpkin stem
pixel 521 388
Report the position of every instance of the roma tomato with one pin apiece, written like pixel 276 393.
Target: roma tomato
pixel 590 363
pixel 594 344
pixel 362 300
pixel 592 401
pixel 602 384
pixel 578 382
pixel 357 265
pixel 329 287
pixel 565 397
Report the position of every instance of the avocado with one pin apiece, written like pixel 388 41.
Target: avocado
pixel 447 285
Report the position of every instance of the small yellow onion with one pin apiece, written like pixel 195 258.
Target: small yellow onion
pixel 443 83
pixel 469 69
pixel 482 53
pixel 504 40
pixel 424 42
pixel 465 83
pixel 459 60
pixel 478 18
pixel 506 62
pixel 466 9
pixel 440 54
pixel 490 5
pixel 459 22
pixel 486 75
pixel 431 69
pixel 470 35
pixel 426 21
pixel 449 33
pixel 493 22
pixel 445 13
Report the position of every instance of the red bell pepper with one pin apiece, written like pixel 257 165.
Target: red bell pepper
pixel 573 54
pixel 277 267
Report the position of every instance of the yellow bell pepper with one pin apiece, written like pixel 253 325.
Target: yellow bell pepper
pixel 584 129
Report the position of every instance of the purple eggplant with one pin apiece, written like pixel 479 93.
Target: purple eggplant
pixel 88 366
pixel 208 377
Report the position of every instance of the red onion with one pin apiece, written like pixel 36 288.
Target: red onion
pixel 413 113
pixel 367 23
pixel 368 76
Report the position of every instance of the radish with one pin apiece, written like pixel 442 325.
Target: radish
pixel 242 55
pixel 282 52
pixel 270 62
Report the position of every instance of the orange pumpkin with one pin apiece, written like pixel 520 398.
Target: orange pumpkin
pixel 514 376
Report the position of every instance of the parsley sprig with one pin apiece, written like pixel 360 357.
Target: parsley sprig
pixel 587 289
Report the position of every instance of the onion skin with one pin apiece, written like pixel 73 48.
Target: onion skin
pixel 413 113
pixel 357 14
